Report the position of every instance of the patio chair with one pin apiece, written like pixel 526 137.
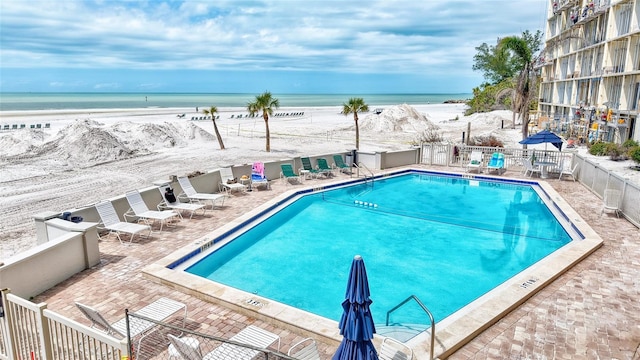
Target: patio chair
pixel 392 349
pixel 496 163
pixel 475 161
pixel 339 164
pixel 611 201
pixel 566 169
pixel 530 168
pixel 288 174
pixel 229 183
pixel 159 310
pixel 257 175
pixel 138 210
pixel 189 193
pixel 109 220
pixel 324 167
pixel 305 349
pixel 178 206
pixel 251 335
pixel 308 168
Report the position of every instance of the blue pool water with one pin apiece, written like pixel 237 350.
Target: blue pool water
pixel 447 240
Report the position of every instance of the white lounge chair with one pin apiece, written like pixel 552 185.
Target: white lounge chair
pixel 138 209
pixel 178 206
pixel 251 335
pixel 229 183
pixel 305 349
pixel 190 193
pixel 611 201
pixel 392 349
pixel 475 161
pixel 159 310
pixel 109 221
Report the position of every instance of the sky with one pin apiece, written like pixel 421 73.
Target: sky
pixel 247 46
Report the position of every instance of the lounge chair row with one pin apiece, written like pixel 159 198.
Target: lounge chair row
pixel 202 117
pixel 309 171
pixel 168 210
pixel 24 126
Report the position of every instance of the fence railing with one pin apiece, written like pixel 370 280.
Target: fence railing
pixel 30 331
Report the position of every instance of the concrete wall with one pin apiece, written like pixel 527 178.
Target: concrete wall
pixel 71 248
pixel 399 158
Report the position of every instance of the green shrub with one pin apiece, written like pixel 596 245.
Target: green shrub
pixel 630 143
pixel 634 154
pixel 615 151
pixel 598 148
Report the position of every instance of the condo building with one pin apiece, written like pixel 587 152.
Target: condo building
pixel 590 70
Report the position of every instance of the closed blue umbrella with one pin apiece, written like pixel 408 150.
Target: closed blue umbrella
pixel 544 136
pixel 356 324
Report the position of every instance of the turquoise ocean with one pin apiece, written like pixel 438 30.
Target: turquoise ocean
pixel 66 101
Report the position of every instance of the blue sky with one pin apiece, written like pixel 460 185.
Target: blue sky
pixel 238 46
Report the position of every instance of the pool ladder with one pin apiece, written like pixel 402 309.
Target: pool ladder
pixel 369 177
pixel 424 308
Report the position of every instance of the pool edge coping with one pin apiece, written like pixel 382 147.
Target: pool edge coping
pixel 450 334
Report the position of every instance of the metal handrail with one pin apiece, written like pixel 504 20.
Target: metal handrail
pixel 424 308
pixel 363 166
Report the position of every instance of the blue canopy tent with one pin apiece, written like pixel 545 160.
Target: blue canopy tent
pixel 356 324
pixel 544 136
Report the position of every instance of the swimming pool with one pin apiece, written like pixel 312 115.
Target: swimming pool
pixel 444 239
pixel 452 331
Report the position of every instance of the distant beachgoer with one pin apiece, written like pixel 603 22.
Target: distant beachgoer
pixel 196 109
pixel 145 98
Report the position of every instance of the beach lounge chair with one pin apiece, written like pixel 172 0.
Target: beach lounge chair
pixel 611 201
pixel 288 174
pixel 305 349
pixel 189 193
pixel 178 206
pixel 475 161
pixel 339 164
pixel 392 349
pixel 324 167
pixel 257 175
pixel 229 183
pixel 496 163
pixel 159 310
pixel 308 169
pixel 251 335
pixel 109 221
pixel 138 209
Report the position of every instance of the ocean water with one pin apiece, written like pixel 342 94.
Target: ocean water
pixel 64 101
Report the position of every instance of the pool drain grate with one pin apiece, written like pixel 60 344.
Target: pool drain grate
pixel 255 303
pixel 527 283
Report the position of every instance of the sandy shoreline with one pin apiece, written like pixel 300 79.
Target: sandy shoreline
pixel 85 156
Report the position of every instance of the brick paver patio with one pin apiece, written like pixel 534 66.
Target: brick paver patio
pixel 590 312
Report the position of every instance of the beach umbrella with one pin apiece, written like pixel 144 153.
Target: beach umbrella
pixel 544 136
pixel 356 324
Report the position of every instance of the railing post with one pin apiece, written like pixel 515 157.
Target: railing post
pixel 7 326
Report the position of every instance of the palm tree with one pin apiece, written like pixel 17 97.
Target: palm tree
pixel 266 103
pixel 355 105
pixel 212 111
pixel 526 81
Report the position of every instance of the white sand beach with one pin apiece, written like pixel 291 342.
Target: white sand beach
pixel 85 156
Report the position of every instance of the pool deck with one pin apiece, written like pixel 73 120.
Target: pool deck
pixel 591 311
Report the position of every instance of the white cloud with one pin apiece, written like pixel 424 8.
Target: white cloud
pixel 403 36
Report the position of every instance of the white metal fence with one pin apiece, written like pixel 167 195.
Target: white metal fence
pixel 30 331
